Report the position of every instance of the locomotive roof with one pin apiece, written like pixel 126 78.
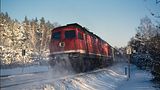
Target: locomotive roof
pixel 83 29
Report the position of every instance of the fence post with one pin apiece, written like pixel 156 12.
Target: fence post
pixel 129 52
pixel 125 69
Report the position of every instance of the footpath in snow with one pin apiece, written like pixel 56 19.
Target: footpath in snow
pixel 111 78
pixel 139 80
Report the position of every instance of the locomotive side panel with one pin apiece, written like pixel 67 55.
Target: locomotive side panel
pixel 81 46
pixel 89 43
pixel 106 49
pixel 97 47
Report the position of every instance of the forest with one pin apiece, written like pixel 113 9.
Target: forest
pixel 24 42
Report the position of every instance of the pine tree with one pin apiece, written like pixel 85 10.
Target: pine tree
pixel 43 31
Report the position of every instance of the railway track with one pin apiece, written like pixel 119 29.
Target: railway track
pixel 43 80
pixel 22 82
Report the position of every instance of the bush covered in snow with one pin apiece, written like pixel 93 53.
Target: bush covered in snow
pixel 146 43
pixel 143 61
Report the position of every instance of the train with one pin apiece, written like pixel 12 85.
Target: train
pixel 83 49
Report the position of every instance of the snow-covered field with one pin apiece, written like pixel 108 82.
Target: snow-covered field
pixel 111 78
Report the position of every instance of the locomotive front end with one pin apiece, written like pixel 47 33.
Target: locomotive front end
pixel 63 45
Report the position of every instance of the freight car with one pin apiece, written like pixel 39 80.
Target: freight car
pixel 84 50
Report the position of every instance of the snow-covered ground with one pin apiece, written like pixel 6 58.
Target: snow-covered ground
pixel 111 78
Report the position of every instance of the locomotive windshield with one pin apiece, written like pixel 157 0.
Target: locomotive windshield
pixel 70 34
pixel 56 35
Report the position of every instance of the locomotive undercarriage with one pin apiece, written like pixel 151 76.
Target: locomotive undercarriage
pixel 80 62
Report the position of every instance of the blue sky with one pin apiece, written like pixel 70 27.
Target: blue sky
pixel 114 21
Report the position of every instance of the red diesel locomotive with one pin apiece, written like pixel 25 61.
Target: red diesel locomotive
pixel 85 50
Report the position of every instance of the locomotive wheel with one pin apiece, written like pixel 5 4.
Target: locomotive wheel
pixel 79 64
pixel 87 65
pixel 75 63
pixel 82 65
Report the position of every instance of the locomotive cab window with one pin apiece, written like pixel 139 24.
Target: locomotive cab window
pixel 70 34
pixel 56 35
pixel 80 36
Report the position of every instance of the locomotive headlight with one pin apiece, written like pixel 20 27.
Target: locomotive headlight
pixel 61 44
